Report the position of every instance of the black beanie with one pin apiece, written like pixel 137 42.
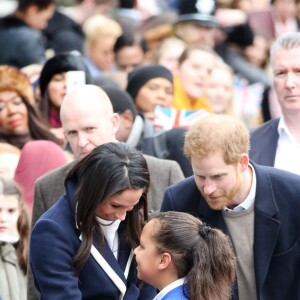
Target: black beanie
pixel 64 62
pixel 139 76
pixel 120 99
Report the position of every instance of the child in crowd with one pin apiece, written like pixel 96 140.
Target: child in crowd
pixel 220 89
pixel 14 239
pixel 185 258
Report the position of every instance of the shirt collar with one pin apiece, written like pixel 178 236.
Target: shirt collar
pixel 248 202
pixel 170 287
pixel 283 130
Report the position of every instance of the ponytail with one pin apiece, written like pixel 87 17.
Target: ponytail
pixel 202 254
pixel 213 270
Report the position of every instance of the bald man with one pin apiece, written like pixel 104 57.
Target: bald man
pixel 88 121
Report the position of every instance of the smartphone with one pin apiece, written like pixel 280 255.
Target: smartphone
pixel 74 79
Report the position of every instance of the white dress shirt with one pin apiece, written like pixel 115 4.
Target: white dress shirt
pixel 110 231
pixel 288 150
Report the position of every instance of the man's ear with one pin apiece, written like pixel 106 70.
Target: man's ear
pixel 165 261
pixel 127 119
pixel 244 162
pixel 115 119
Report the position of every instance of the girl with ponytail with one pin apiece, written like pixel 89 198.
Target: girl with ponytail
pixel 185 258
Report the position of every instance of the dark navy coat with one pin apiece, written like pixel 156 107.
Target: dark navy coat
pixel 276 228
pixel 55 241
pixel 263 143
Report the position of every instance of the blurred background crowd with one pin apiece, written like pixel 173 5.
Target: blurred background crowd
pixel 164 65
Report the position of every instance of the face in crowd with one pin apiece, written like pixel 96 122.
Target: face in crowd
pixel 286 71
pixel 13 113
pixel 88 119
pixel 156 91
pixel 194 70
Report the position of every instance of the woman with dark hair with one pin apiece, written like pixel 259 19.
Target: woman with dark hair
pixel 185 259
pixel 57 76
pixel 14 241
pixel 20 121
pixel 53 83
pixel 93 228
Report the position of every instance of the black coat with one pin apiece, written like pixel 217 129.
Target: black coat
pixel 63 34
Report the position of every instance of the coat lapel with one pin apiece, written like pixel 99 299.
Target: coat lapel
pixel 271 140
pixel 109 270
pixel 110 265
pixel 266 227
pixel 8 253
pixel 117 270
pixel 263 147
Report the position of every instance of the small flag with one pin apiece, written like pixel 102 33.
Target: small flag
pixel 167 118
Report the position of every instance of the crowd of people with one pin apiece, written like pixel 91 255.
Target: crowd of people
pixel 149 150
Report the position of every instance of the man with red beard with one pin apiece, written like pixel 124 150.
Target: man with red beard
pixel 257 206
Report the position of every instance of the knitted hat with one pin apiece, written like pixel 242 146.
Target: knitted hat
pixel 12 79
pixel 64 62
pixel 198 11
pixel 141 75
pixel 120 99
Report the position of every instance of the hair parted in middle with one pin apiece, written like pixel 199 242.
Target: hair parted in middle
pixel 8 187
pixel 191 48
pixel 217 132
pixel 202 254
pixel 109 169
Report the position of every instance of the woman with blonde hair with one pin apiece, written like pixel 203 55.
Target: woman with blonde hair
pixel 220 89
pixel 101 35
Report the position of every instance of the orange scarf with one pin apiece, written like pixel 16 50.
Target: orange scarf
pixel 182 101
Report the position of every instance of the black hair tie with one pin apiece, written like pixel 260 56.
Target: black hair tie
pixel 204 230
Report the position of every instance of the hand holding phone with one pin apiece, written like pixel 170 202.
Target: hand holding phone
pixel 74 79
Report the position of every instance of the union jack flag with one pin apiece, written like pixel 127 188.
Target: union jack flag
pixel 167 118
pixel 247 101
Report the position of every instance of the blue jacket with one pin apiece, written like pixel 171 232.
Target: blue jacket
pixel 276 228
pixel 175 294
pixel 263 143
pixel 55 241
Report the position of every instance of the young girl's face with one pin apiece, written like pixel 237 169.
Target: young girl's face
pixel 147 258
pixel 9 214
